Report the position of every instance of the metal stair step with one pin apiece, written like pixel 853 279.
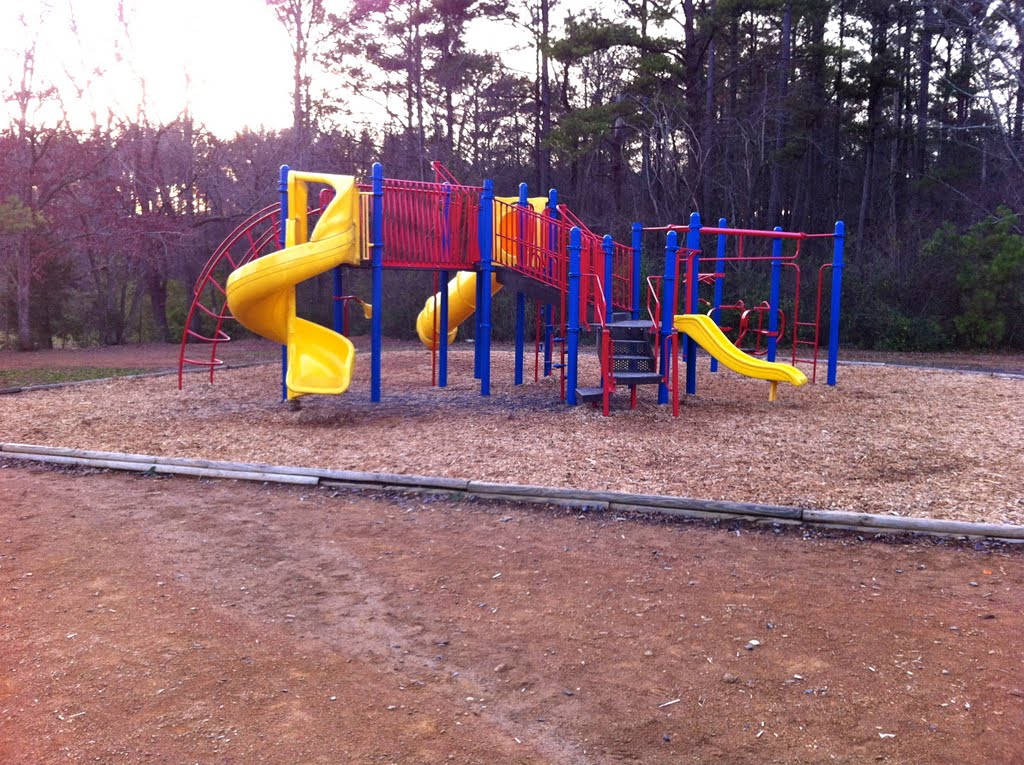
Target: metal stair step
pixel 632 357
pixel 635 345
pixel 589 394
pixel 637 378
pixel 631 324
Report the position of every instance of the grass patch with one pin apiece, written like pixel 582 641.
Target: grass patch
pixel 18 378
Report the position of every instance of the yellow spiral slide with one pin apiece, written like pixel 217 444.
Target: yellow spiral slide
pixel 261 294
pixel 708 336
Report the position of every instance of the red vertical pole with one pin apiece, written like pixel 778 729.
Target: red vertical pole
pixel 675 373
pixel 606 373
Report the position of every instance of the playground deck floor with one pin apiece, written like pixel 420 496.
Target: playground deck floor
pixel 147 619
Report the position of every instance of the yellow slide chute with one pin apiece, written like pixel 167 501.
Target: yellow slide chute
pixel 261 294
pixel 462 289
pixel 708 336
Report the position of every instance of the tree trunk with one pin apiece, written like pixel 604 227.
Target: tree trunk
pixel 923 85
pixel 23 289
pixel 1018 116
pixel 545 97
pixel 156 287
pixel 710 116
pixel 782 92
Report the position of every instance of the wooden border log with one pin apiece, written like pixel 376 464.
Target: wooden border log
pixel 915 525
pixel 598 500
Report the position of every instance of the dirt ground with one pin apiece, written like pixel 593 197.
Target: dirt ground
pixel 147 620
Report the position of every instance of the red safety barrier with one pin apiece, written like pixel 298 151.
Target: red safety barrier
pixel 622 260
pixel 429 225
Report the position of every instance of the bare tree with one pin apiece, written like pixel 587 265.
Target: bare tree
pixel 300 18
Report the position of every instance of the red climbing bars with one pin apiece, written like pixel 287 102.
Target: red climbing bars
pixel 252 238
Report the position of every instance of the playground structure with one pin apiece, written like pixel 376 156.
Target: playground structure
pixel 535 247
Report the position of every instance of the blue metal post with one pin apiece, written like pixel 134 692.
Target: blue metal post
pixel 520 336
pixel 377 275
pixel 442 361
pixel 719 269
pixel 773 297
pixel 477 292
pixel 339 307
pixel 573 319
pixel 638 243
pixel 609 266
pixel 485 277
pixel 693 243
pixel 668 287
pixel 549 310
pixel 837 288
pixel 282 189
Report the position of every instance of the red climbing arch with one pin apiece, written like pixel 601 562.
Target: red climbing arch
pixel 205 325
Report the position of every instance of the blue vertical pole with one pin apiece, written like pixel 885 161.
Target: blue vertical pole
pixel 668 287
pixel 549 310
pixel 282 189
pixel 573 319
pixel 609 274
pixel 477 292
pixel 719 269
pixel 837 288
pixel 693 243
pixel 638 243
pixel 377 275
pixel 339 307
pixel 442 361
pixel 520 336
pixel 773 297
pixel 485 277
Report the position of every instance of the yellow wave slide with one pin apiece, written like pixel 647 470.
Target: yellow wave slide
pixel 706 334
pixel 261 294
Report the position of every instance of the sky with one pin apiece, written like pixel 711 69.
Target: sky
pixel 235 53
pixel 229 59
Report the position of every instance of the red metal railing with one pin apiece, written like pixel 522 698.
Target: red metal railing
pixel 536 245
pixel 428 225
pixel 607 347
pixel 442 174
pixel 622 260
pixel 531 243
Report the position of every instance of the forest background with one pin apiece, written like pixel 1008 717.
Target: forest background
pixel 904 119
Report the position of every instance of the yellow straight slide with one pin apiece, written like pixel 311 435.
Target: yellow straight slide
pixel 708 336
pixel 261 294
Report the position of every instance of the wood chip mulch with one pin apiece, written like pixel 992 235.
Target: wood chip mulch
pixel 885 440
